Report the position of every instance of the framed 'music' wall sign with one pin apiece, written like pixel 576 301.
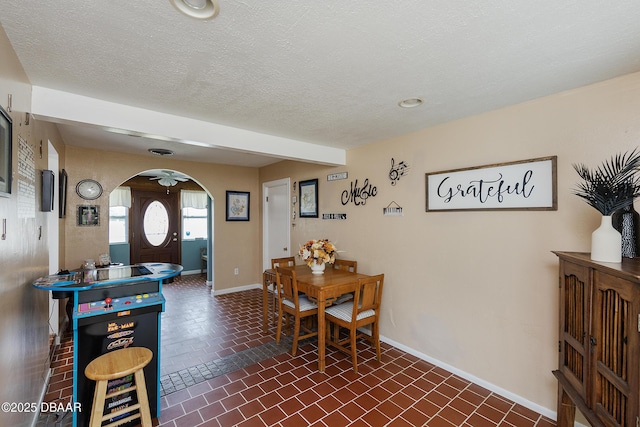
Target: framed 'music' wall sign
pixel 523 185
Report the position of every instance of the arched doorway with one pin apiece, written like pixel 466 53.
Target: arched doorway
pixel 157 226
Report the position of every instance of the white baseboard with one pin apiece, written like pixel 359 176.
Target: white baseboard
pixel 502 392
pixel 237 289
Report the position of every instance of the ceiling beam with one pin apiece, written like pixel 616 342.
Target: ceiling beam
pixel 64 107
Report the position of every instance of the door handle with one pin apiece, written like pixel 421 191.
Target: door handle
pixel 284 249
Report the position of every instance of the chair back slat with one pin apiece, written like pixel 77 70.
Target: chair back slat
pixel 283 262
pixel 346 265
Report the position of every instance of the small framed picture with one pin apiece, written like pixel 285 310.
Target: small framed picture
pixel 237 206
pixel 308 198
pixel 88 215
pixel 104 259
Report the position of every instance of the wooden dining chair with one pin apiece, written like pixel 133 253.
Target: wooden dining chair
pixel 203 260
pixel 290 303
pixel 278 262
pixel 283 262
pixel 345 265
pixel 363 310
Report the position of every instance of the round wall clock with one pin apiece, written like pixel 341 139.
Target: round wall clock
pixel 89 189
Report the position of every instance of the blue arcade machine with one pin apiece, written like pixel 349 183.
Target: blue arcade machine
pixel 113 307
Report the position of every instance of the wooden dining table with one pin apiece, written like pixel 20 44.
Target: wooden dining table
pixel 323 289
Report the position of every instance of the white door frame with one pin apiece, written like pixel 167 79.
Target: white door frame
pixel 210 255
pixel 266 261
pixel 53 239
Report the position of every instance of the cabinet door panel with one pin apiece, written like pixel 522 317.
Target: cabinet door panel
pixel 615 349
pixel 575 303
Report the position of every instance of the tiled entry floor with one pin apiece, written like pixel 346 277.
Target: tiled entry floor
pixel 282 390
pixel 170 383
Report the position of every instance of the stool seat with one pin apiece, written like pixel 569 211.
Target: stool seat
pixel 114 365
pixel 118 364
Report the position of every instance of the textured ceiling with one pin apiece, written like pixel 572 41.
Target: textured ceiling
pixel 323 72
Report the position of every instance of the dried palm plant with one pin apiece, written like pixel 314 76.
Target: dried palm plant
pixel 611 186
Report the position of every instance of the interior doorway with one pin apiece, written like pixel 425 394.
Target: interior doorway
pixel 277 218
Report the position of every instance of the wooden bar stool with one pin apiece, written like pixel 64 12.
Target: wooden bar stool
pixel 114 365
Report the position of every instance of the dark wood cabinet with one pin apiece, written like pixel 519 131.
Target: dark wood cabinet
pixel 599 366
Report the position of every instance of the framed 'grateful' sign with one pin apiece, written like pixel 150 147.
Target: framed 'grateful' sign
pixel 523 185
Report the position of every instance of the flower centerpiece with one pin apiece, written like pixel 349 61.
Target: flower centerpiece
pixel 612 186
pixel 317 253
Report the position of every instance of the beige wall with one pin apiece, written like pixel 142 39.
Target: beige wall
pixel 24 329
pixel 235 243
pixel 477 291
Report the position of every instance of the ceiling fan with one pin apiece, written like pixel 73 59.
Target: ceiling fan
pixel 169 178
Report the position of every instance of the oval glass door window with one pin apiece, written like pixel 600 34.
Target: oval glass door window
pixel 156 223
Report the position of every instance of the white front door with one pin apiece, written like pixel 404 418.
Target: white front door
pixel 276 221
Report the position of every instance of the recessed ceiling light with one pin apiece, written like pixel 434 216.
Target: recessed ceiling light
pixel 160 152
pixel 410 102
pixel 199 9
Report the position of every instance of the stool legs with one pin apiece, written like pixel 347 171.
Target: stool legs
pixel 97 415
pixel 98 404
pixel 143 399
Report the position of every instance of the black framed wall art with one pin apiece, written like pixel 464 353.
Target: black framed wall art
pixel 238 206
pixel 62 193
pixel 6 135
pixel 308 197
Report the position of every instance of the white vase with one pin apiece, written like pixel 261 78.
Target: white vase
pixel 317 268
pixel 606 242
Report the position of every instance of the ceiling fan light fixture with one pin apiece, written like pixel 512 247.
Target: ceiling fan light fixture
pixel 199 9
pixel 161 151
pixel 411 102
pixel 167 182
